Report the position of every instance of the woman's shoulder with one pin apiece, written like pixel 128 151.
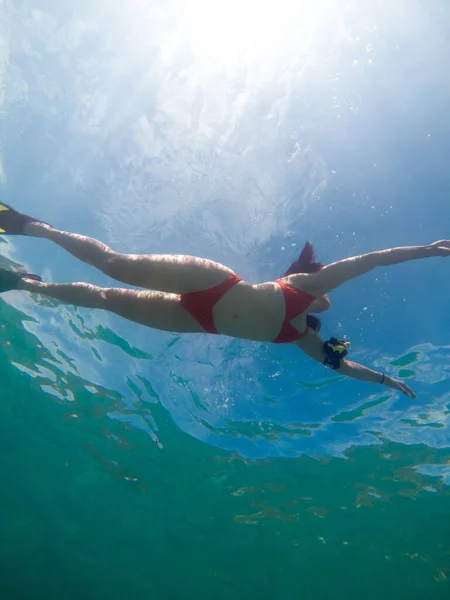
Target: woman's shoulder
pixel 301 281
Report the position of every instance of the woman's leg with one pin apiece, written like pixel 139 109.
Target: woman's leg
pixel 175 274
pixel 153 309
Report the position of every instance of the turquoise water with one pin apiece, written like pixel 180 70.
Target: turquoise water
pixel 138 463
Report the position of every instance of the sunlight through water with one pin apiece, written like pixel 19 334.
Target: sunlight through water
pixel 227 32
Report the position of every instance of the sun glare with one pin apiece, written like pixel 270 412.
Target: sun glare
pixel 231 30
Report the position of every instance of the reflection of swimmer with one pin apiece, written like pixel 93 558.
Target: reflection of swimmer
pixel 197 295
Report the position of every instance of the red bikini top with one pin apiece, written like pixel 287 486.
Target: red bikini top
pixel 296 303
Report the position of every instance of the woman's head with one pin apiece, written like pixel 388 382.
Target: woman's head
pixel 306 263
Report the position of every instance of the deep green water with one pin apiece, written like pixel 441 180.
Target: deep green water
pixel 92 509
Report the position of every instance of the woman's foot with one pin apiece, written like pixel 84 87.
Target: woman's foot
pixel 13 222
pixel 10 280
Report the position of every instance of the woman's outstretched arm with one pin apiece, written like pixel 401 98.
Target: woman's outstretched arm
pixel 357 371
pixel 335 274
pixel 312 345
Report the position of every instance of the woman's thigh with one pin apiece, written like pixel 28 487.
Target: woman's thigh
pixel 157 310
pixel 176 274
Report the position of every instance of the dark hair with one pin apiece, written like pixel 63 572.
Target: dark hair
pixel 314 323
pixel 306 263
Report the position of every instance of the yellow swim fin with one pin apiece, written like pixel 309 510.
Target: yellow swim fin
pixel 13 222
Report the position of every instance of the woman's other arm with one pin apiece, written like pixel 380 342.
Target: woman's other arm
pixel 335 274
pixel 357 371
pixel 312 345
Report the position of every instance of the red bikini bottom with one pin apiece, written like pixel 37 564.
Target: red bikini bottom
pixel 201 304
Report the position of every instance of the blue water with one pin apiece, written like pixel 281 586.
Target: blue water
pixel 233 131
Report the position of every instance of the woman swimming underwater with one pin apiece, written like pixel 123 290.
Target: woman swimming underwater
pixel 196 295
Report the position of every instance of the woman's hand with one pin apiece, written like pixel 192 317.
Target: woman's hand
pixel 401 386
pixel 441 248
